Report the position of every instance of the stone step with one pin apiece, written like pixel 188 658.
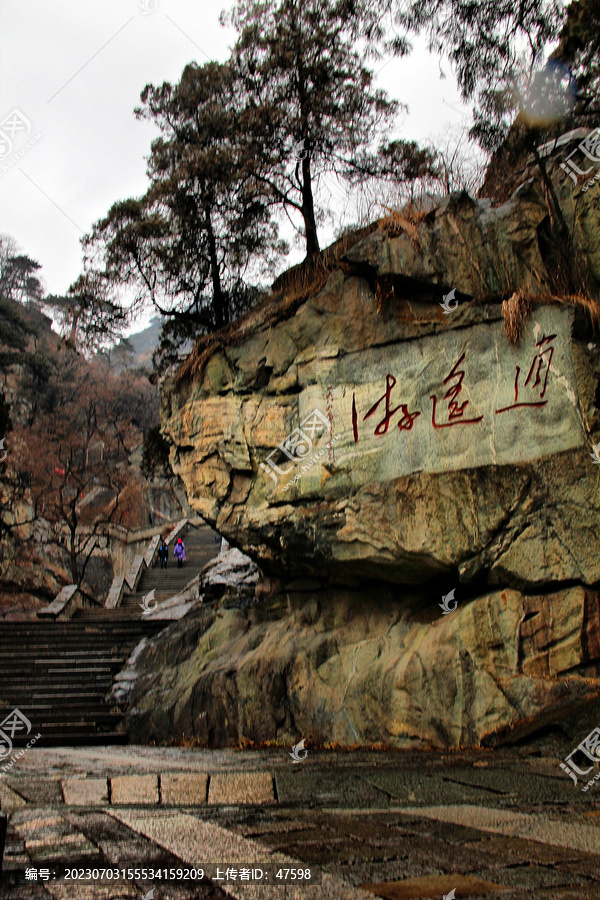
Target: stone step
pixel 190 553
pixel 83 704
pixel 121 636
pixel 119 614
pixel 120 630
pixel 56 672
pixel 47 654
pixel 49 631
pixel 52 679
pixel 21 698
pixel 66 708
pixel 169 575
pixel 196 562
pixel 173 571
pixel 92 660
pixel 163 592
pixel 133 599
pixel 42 667
pixel 69 677
pixel 84 736
pixel 99 685
pixel 102 718
pixel 70 649
pixel 92 696
pixel 53 719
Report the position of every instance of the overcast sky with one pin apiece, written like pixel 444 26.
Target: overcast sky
pixel 74 69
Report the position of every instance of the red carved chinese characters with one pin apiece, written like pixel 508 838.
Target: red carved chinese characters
pixel 406 422
pixel 535 382
pixel 456 410
pixel 390 383
pixel 528 393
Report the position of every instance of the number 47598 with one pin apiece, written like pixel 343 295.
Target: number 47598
pixel 293 874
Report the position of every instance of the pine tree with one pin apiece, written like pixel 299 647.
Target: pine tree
pixel 187 245
pixel 312 105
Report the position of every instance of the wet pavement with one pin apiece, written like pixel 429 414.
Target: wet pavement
pixel 401 826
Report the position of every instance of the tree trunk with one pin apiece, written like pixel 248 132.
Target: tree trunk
pixel 568 280
pixel 308 203
pixel 74 325
pixel 73 555
pixel 219 305
pixel 308 211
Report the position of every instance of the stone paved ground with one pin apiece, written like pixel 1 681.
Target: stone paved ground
pixel 399 826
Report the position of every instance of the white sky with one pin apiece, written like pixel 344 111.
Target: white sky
pixel 75 70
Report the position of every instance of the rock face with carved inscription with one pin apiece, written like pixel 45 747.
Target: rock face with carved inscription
pixel 378 442
pixel 399 443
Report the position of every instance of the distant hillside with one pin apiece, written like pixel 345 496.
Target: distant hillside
pixel 137 349
pixel 145 342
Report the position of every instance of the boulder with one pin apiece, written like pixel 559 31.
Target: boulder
pixel 418 414
pixel 374 433
pixel 380 666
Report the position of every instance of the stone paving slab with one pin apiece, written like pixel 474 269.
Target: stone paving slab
pixel 411 788
pixel 433 886
pixel 9 800
pixel 183 789
pixel 125 848
pixel 562 893
pixel 585 838
pixel 85 791
pixel 241 787
pixel 186 836
pixel 49 836
pixel 134 789
pixel 39 791
pixel 339 788
pixel 64 890
pixel 521 850
pixel 424 847
pixel 526 784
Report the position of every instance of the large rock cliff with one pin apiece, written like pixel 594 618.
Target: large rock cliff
pixel 374 452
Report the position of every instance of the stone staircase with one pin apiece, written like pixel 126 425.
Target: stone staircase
pixel 58 672
pixel 201 545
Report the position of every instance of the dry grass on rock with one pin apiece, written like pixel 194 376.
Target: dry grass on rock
pixel 517 309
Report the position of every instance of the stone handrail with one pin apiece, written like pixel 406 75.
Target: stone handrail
pixel 64 602
pixel 115 594
pixel 135 572
pixel 150 554
pixel 127 536
pixel 179 528
pixel 131 537
pixel 124 535
pixel 91 496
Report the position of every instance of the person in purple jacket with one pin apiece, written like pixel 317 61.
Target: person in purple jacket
pixel 179 552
